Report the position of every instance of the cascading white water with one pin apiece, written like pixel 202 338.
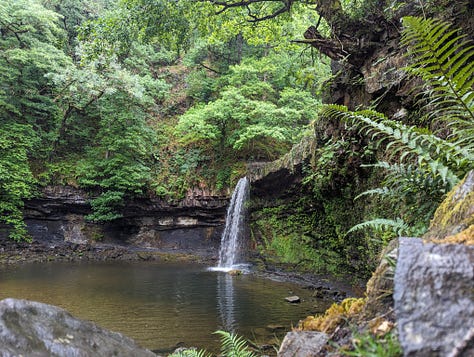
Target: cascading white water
pixel 229 253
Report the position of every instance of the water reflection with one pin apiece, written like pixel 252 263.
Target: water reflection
pixel 226 302
pixel 160 305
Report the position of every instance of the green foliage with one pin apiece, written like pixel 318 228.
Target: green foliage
pixel 368 345
pixel 398 226
pixel 85 80
pixel 132 21
pixel 256 115
pixel 428 165
pixel 118 166
pixel 231 346
pixel 74 13
pixel 16 179
pixel 30 44
pixel 190 353
pixel 438 164
pixel 444 60
pixel 309 234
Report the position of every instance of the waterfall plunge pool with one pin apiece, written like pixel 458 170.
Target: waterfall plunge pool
pixel 164 305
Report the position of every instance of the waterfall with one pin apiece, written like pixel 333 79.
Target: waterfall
pixel 229 253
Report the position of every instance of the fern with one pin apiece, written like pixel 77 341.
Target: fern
pixel 382 191
pixel 426 166
pixel 233 345
pixel 445 61
pixel 397 226
pixel 190 353
pixel 447 160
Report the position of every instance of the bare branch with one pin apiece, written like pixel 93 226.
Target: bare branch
pixel 226 5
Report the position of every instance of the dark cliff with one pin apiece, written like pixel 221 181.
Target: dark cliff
pixel 194 223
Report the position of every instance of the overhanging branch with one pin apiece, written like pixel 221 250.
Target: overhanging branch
pixel 226 5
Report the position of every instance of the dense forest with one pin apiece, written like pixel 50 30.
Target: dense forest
pixel 153 98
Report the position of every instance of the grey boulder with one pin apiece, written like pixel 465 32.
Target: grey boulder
pixel 34 329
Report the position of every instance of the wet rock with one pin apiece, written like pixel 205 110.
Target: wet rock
pixel 30 328
pixel 235 272
pixel 434 299
pixel 302 344
pixel 74 228
pixel 293 299
pixel 57 216
pixel 453 221
pixel 274 327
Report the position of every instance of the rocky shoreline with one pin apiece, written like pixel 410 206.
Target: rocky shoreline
pixel 12 253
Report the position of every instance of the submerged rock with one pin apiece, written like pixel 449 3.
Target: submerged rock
pixel 302 344
pixel 293 299
pixel 434 298
pixel 29 328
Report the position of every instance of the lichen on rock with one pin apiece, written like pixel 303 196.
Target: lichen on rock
pixel 453 221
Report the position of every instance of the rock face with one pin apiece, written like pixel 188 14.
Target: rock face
pixel 302 344
pixel 434 298
pixel 192 224
pixel 276 176
pixel 453 221
pixel 30 328
pixel 380 286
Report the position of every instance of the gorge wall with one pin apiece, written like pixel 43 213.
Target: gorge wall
pixel 192 224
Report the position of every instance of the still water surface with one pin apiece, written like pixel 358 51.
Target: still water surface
pixel 162 305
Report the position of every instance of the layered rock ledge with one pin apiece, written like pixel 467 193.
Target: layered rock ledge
pixel 192 224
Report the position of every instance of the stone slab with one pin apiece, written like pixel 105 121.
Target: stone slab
pixel 302 344
pixel 434 298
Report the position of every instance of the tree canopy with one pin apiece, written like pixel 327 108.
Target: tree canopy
pixel 140 98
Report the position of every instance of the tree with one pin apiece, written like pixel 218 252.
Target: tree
pixel 16 179
pixel 30 49
pixel 73 14
pixel 116 162
pixel 256 115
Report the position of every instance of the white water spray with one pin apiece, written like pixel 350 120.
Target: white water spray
pixel 229 253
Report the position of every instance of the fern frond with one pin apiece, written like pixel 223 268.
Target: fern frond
pixel 445 61
pixel 398 226
pixel 190 353
pixel 381 191
pixel 233 345
pixel 446 159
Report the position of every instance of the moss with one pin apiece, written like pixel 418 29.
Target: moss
pixel 454 218
pixel 464 237
pixel 334 316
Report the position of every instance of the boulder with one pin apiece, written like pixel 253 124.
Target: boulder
pixel 453 221
pixel 434 298
pixel 29 328
pixel 302 344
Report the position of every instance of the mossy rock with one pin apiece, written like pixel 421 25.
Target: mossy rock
pixel 380 286
pixel 334 316
pixel 453 221
pixel 234 272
